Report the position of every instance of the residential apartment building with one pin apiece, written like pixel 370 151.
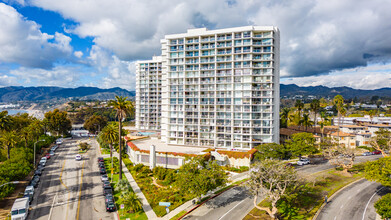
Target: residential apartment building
pixel 148 94
pixel 220 88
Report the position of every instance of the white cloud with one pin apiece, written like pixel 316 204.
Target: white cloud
pixel 317 37
pixel 78 54
pixel 114 72
pixel 6 80
pixel 22 42
pixel 62 76
pixel 370 77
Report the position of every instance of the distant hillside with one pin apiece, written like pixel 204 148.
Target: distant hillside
pixel 323 91
pixel 13 93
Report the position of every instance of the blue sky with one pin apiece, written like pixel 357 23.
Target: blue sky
pixel 96 42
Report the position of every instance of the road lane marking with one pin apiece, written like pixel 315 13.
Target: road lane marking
pixel 365 210
pixel 63 165
pixel 81 183
pixel 50 213
pixel 231 210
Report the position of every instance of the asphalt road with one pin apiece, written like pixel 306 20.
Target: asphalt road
pixel 70 189
pixel 235 203
pixel 354 202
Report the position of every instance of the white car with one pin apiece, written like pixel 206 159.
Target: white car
pixel 104 178
pixel 42 162
pixel 78 157
pixel 303 161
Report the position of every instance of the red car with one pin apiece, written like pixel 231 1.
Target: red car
pixel 47 156
pixel 376 152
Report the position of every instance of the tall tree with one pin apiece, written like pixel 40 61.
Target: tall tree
pixel 57 121
pixel 123 107
pixel 5 121
pixel 338 102
pixel 379 171
pixel 272 180
pixel 198 177
pixel 284 115
pixel 372 114
pixel 306 121
pixel 325 120
pixel 382 141
pixel 9 140
pixel 95 123
pixel 109 135
pixel 302 144
pixel 315 107
pixel 299 105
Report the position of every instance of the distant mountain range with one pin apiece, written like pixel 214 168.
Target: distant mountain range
pixel 43 93
pixel 292 90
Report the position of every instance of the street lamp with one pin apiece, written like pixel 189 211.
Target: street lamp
pixel 34 149
pixel 13 182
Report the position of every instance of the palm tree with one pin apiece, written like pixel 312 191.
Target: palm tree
pixel 109 135
pixel 371 114
pixel 9 140
pixel 299 105
pixel 123 107
pixel 315 106
pixel 338 102
pixel 130 200
pixel 306 121
pixel 324 120
pixel 284 117
pixel 5 120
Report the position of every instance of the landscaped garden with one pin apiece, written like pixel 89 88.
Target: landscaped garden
pixel 304 203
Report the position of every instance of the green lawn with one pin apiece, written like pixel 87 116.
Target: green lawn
pixel 140 215
pixel 304 204
pixel 104 151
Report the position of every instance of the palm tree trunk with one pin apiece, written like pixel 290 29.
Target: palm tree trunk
pixel 315 119
pixel 120 148
pixel 8 152
pixel 111 150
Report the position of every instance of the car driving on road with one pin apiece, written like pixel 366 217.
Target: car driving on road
pixel 78 157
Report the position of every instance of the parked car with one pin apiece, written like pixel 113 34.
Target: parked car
pixel 41 167
pixel 51 153
pixel 110 207
pixel 106 184
pixel 104 178
pixel 109 198
pixel 42 162
pixel 367 153
pixel 38 172
pixel 102 171
pixel 100 159
pixel 107 191
pixel 376 152
pixel 303 161
pixel 59 141
pixel 78 157
pixel 47 156
pixel 101 165
pixel 29 193
pixel 34 182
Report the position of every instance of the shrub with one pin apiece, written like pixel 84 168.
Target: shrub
pixel 138 167
pixel 159 173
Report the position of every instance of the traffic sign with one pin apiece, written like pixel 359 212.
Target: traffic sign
pixel 167 204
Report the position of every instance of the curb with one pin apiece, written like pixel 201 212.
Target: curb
pixel 332 196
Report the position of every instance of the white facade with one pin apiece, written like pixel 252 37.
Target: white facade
pixel 220 88
pixel 148 94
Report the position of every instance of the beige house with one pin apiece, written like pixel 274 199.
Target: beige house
pixel 345 139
